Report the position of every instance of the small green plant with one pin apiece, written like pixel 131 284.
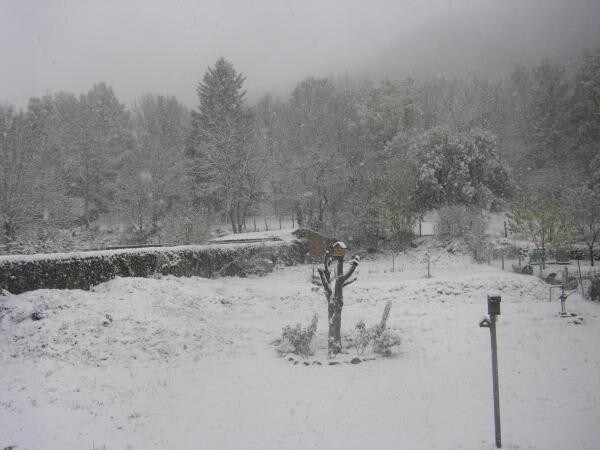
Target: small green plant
pixel 297 340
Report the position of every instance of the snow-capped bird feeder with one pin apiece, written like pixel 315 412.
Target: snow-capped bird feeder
pixel 339 249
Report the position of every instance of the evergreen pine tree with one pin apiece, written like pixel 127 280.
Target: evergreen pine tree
pixel 225 165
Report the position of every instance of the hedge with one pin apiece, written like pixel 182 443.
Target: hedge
pixel 86 269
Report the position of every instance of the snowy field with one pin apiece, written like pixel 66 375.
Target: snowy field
pixel 187 363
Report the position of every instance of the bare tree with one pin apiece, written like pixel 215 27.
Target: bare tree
pixel 16 156
pixel 150 182
pixel 583 207
pixel 333 284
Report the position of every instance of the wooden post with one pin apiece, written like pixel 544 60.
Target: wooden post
pixel 502 261
pixel 428 258
pixel 505 230
pixel 266 225
pixel 580 279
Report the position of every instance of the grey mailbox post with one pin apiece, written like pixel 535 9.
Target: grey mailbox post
pixel 493 303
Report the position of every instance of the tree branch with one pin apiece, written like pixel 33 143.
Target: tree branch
pixel 353 265
pixel 324 282
pixel 350 281
pixel 326 270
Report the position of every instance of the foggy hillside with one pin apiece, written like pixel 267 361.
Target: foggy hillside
pixel 140 123
pixel 490 39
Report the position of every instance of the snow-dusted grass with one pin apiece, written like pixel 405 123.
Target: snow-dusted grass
pixel 186 363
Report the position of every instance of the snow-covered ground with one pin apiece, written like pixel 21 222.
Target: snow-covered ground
pixel 187 363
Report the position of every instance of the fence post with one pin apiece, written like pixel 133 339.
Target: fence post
pixel 580 279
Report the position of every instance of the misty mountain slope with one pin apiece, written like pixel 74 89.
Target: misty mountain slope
pixel 490 40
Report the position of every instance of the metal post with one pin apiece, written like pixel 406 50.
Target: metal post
pixel 493 310
pixel 562 297
pixel 495 381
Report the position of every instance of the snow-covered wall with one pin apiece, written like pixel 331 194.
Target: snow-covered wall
pixel 21 273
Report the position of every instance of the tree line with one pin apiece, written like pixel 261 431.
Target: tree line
pixel 347 155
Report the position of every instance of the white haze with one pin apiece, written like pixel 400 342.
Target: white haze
pixel 140 46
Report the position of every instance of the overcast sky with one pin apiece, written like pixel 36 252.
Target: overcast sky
pixel 139 46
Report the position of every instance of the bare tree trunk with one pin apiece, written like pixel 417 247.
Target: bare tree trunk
pixel 335 298
pixel 299 215
pixel 86 209
pixel 233 222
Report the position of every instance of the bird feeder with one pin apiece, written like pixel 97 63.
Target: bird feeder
pixel 339 249
pixel 493 305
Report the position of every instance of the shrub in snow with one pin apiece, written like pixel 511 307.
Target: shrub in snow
pixel 253 266
pixel 467 224
pixel 384 343
pixel 379 336
pixel 594 289
pixel 361 337
pixel 297 340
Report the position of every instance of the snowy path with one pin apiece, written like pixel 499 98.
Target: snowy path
pixel 186 363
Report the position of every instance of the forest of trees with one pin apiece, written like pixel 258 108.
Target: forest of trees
pixel 347 156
